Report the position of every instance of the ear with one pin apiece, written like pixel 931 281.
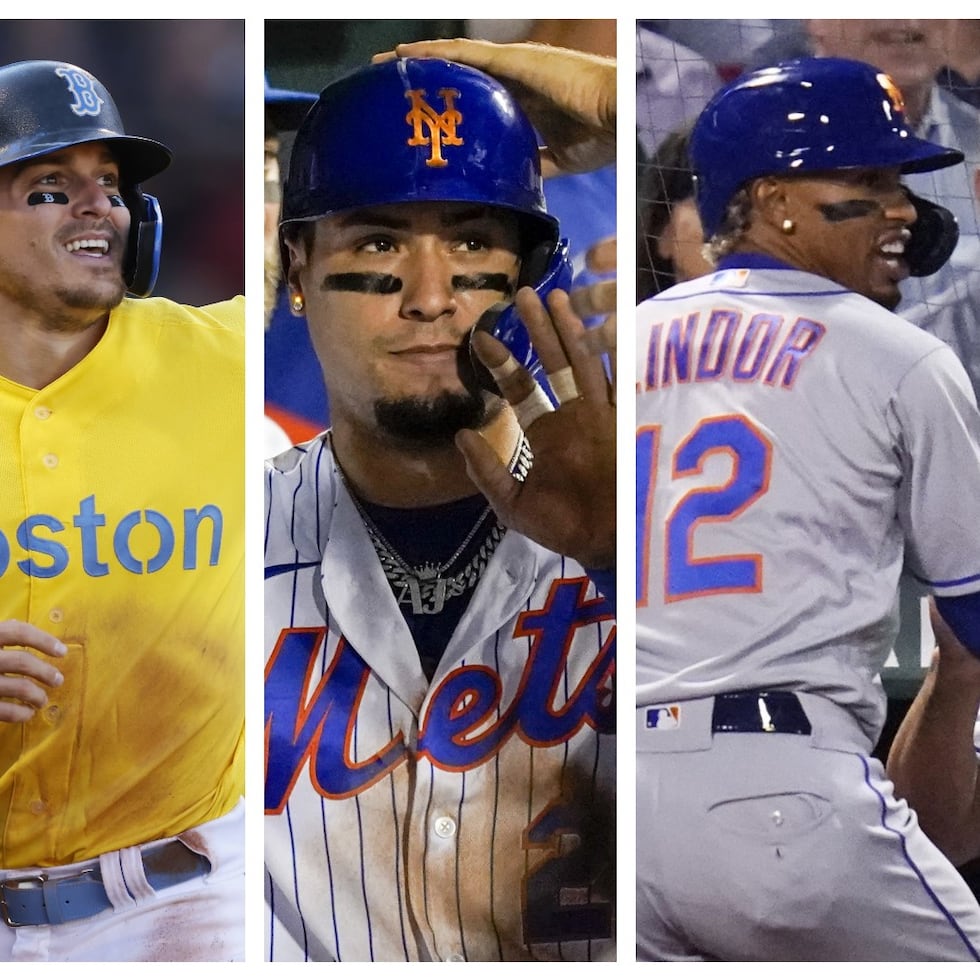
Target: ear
pixel 770 200
pixel 295 253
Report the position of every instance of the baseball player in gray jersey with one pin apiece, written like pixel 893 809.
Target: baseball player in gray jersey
pixel 439 687
pixel 796 444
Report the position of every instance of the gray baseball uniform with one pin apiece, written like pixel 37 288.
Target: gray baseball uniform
pixel 469 818
pixel 796 445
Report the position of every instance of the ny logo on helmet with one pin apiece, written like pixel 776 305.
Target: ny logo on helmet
pixel 87 102
pixel 441 127
pixel 892 90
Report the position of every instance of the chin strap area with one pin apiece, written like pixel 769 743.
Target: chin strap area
pixel 934 236
pixel 142 262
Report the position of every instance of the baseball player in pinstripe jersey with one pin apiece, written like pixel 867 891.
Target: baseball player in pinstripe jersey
pixel 439 686
pixel 797 444
pixel 121 551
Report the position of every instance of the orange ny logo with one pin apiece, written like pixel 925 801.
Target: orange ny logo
pixel 441 128
pixel 894 94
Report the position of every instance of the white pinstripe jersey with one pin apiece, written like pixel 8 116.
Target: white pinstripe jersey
pixel 469 818
pixel 795 444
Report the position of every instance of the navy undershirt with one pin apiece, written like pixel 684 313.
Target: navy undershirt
pixel 430 535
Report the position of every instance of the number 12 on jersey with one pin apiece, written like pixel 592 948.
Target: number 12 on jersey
pixel 685 574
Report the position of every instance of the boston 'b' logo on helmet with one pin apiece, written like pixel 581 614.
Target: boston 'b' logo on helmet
pixel 894 94
pixel 87 102
pixel 431 128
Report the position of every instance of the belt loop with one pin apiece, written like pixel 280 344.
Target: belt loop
pixel 134 874
pixel 114 882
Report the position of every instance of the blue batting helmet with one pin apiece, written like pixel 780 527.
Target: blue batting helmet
pixel 810 114
pixel 47 106
pixel 424 129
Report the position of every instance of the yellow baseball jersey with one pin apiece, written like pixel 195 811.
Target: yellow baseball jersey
pixel 122 533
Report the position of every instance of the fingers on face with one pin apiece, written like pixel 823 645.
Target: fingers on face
pixel 576 348
pixel 515 383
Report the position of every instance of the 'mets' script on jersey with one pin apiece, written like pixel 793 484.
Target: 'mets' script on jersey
pixel 469 818
pixel 795 444
pixel 122 533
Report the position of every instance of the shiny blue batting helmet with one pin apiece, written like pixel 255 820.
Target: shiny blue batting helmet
pixel 809 114
pixel 424 129
pixel 46 106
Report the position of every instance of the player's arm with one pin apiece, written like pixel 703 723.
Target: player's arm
pixel 568 501
pixel 24 675
pixel 933 759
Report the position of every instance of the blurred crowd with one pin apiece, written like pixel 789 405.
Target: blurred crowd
pixel 180 82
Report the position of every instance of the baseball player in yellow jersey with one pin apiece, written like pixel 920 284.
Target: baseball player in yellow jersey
pixel 121 553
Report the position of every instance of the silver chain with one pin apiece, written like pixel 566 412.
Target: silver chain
pixel 426 586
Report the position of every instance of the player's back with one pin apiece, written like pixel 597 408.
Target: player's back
pixel 776 417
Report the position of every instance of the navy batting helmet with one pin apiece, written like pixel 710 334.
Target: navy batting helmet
pixel 46 106
pixel 424 129
pixel 810 114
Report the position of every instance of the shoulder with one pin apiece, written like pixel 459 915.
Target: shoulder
pixel 301 488
pixel 297 460
pixel 306 468
pixel 227 317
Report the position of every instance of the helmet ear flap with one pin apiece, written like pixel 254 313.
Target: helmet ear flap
pixel 546 267
pixel 934 232
pixel 142 263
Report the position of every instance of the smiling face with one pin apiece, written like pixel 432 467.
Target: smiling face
pixel 847 225
pixel 63 232
pixel 391 295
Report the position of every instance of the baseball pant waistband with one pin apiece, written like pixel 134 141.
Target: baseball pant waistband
pixel 47 897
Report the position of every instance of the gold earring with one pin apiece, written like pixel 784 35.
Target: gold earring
pixel 788 226
pixel 297 302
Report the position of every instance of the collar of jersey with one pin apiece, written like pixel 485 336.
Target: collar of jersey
pixel 750 260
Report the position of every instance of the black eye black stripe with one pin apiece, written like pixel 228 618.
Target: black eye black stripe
pixel 848 209
pixel 380 283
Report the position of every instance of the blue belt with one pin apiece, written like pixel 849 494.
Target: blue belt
pixel 38 900
pixel 759 712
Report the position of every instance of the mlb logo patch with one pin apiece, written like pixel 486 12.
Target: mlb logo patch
pixel 730 278
pixel 664 716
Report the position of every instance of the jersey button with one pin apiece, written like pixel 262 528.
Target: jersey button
pixel 52 714
pixel 37 807
pixel 50 460
pixel 444 826
pixel 42 412
pixel 56 615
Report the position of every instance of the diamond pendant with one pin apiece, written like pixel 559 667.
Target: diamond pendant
pixel 428 603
